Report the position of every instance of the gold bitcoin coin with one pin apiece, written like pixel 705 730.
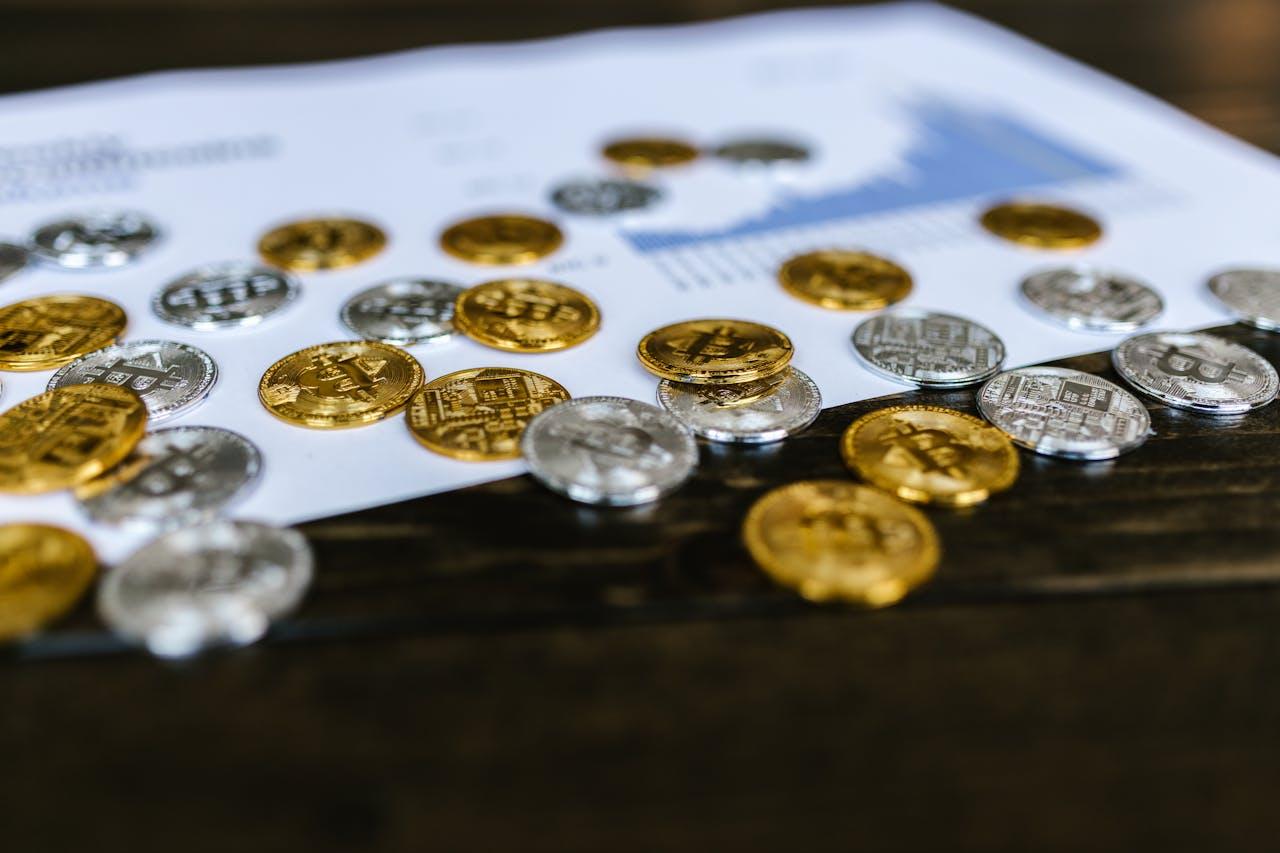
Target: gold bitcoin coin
pixel 479 414
pixel 321 244
pixel 502 239
pixel 836 541
pixel 61 438
pixel 338 385
pixel 50 331
pixel 643 153
pixel 43 571
pixel 928 454
pixel 845 280
pixel 525 315
pixel 715 352
pixel 1042 226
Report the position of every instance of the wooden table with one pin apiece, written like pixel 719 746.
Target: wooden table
pixel 498 669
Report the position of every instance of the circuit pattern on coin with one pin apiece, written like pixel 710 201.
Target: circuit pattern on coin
pixel 1042 226
pixel 526 315
pixel 225 295
pixel 1092 300
pixel 755 412
pixel 845 280
pixel 928 348
pixel 170 377
pixel 49 331
pixel 1253 295
pixel 13 259
pixel 715 351
pixel 1198 371
pixel 341 384
pixel 761 151
pixel 642 153
pixel 604 196
pixel 1065 413
pixel 403 311
pixel 324 243
pixel 97 239
pixel 43 571
pixel 501 239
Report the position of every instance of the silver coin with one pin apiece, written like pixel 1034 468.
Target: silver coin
pixel 609 450
pixel 94 240
pixel 174 477
pixel 1092 300
pixel 927 348
pixel 604 196
pixel 169 377
pixel 1064 413
pixel 218 296
pixel 404 311
pixel 750 412
pixel 762 152
pixel 1252 295
pixel 220 583
pixel 1193 370
pixel 13 259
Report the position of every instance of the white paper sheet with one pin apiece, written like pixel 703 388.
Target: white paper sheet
pixel 919 118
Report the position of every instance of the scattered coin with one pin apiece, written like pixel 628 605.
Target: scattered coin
pixel 478 414
pixel 1253 295
pixel 845 280
pixel 174 477
pixel 604 197
pixel 1194 370
pixel 715 351
pixel 13 259
pixel 928 454
pixel 609 451
pixel 761 152
pixel 403 311
pixel 501 239
pixel 43 571
pixel 170 377
pixel 526 315
pixel 50 331
pixel 326 243
pixel 220 583
pixel 61 438
pixel 1064 413
pixel 836 541
pixel 1042 226
pixel 225 295
pixel 645 153
pixel 755 412
pixel 339 385
pixel 928 348
pixel 1092 300
pixel 99 239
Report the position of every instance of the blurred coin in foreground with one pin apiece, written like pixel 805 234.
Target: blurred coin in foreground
pixel 761 151
pixel 1092 300
pixel 604 197
pixel 845 280
pixel 715 351
pixel 1195 370
pixel 501 239
pixel 43 571
pixel 403 311
pixel 526 315
pixel 650 152
pixel 324 243
pixel 170 377
pixel 94 240
pixel 225 295
pixel 49 331
pixel 756 412
pixel 928 348
pixel 341 384
pixel 13 259
pixel 1253 295
pixel 1042 226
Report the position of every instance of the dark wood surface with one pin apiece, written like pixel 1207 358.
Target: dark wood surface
pixel 1093 668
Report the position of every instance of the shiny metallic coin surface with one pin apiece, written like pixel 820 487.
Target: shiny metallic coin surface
pixel 220 583
pixel 43 572
pixel 844 280
pixel 1042 226
pixel 1198 371
pixel 225 295
pixel 404 311
pixel 174 477
pixel 761 152
pixel 642 153
pixel 340 385
pixel 93 240
pixel 715 351
pixel 526 315
pixel 928 348
pixel 49 331
pixel 604 197
pixel 169 377
pixel 1064 413
pixel 756 412
pixel 326 243
pixel 1092 300
pixel 1253 295
pixel 13 259
pixel 506 238
pixel 610 451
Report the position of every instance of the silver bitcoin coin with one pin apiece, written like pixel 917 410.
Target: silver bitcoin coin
pixel 604 196
pixel 225 295
pixel 1064 413
pixel 609 450
pixel 169 377
pixel 1092 300
pixel 750 412
pixel 1253 295
pixel 220 583
pixel 927 348
pixel 404 311
pixel 94 240
pixel 13 259
pixel 1193 370
pixel 174 477
pixel 761 152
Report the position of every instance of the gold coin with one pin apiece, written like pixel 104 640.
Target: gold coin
pixel 64 437
pixel 501 239
pixel 650 152
pixel 328 243
pixel 339 385
pixel 928 454
pixel 43 571
pixel 525 315
pixel 715 352
pixel 845 280
pixel 836 541
pixel 1043 226
pixel 50 331
pixel 479 414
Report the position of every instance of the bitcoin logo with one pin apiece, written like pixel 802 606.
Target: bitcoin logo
pixel 1179 362
pixel 715 352
pixel 343 384
pixel 50 331
pixel 501 239
pixel 321 244
pixel 350 377
pixel 845 280
pixel 526 315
